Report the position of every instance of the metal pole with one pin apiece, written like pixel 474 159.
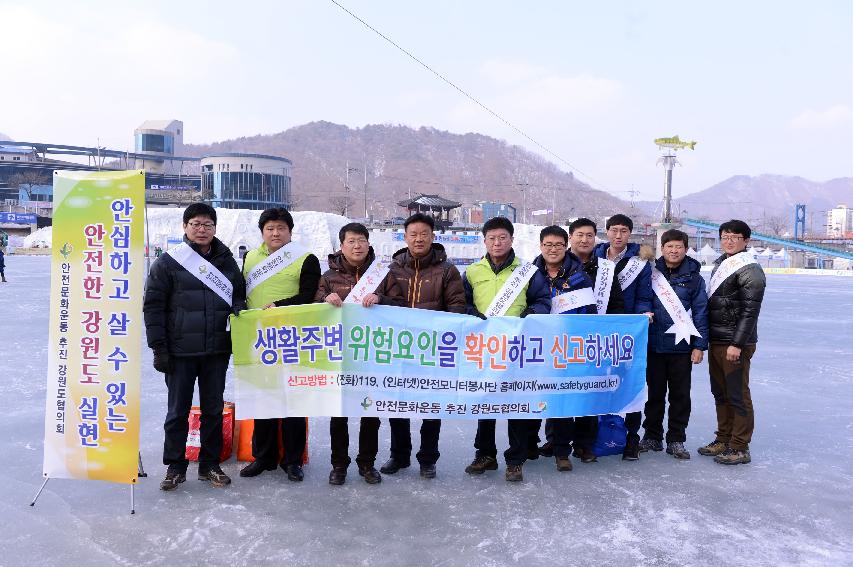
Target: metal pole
pixel 365 189
pixel 132 503
pixel 36 497
pixel 346 193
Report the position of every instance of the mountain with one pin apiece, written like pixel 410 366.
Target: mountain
pixel 402 161
pixel 767 202
pixel 4 138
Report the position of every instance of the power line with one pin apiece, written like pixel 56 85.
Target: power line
pixel 465 93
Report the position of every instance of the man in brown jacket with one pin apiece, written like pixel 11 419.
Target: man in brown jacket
pixel 428 281
pixel 346 268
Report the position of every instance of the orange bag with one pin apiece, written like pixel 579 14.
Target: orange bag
pixel 194 434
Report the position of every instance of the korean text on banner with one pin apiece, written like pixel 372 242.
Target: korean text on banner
pixel 319 360
pixel 94 349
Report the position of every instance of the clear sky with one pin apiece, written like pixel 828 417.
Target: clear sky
pixel 763 86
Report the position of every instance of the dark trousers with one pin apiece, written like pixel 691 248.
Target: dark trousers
pixel 180 383
pixel 668 371
pixel 368 441
pixel 401 440
pixel 632 424
pixel 265 440
pixel 518 431
pixel 730 387
pixel 561 432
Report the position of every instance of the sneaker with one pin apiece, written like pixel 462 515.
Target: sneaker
pixel 733 457
pixel 513 473
pixel 392 466
pixel 585 454
pixel 215 476
pixel 712 449
pixel 370 474
pixel 482 464
pixel 174 477
pixel 547 449
pixel 631 452
pixel 428 471
pixel 255 468
pixel 677 450
pixel 650 445
pixel 564 464
pixel 338 476
pixel 294 473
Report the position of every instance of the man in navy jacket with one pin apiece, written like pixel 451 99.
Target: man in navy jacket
pixel 635 279
pixel 669 362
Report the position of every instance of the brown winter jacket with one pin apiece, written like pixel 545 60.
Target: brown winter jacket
pixel 342 276
pixel 430 282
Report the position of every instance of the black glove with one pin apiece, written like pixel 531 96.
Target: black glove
pixel 478 314
pixel 526 312
pixel 162 361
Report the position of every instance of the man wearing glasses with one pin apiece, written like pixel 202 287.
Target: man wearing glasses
pixel 501 274
pixel 279 272
pixel 735 293
pixel 189 294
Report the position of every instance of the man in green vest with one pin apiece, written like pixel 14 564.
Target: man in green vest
pixel 485 280
pixel 279 272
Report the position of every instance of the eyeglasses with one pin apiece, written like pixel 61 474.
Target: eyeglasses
pixel 360 241
pixel 201 225
pixel 553 245
pixel 731 238
pixel 503 238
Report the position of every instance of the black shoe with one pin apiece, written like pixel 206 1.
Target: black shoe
pixel 631 451
pixel 255 468
pixel 547 449
pixel 677 450
pixel 533 453
pixel 651 445
pixel 513 473
pixel 294 473
pixel 428 471
pixel 174 477
pixel 370 474
pixel 392 466
pixel 338 476
pixel 584 454
pixel 482 464
pixel 215 476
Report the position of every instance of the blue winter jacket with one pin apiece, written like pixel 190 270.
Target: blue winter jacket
pixel 689 285
pixel 571 277
pixel 638 297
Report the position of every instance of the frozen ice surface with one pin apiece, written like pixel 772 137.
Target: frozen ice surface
pixel 791 506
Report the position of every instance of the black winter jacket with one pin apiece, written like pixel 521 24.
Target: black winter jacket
pixel 571 277
pixel 182 315
pixel 689 285
pixel 733 309
pixel 616 303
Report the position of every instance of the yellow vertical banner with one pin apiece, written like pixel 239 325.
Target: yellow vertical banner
pixel 95 338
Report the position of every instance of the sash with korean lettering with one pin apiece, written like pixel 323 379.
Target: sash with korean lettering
pixel 728 267
pixel 682 323
pixel 273 264
pixel 206 272
pixel 511 288
pixel 572 300
pixel 603 283
pixel 630 272
pixel 369 281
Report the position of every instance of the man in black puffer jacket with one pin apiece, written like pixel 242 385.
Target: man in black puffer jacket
pixel 185 323
pixel 735 294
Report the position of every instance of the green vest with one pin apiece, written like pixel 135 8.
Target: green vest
pixel 282 285
pixel 486 284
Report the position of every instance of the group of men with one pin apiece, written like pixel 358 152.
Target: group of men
pixel 193 288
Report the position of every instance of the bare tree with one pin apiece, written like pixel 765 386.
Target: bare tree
pixel 775 225
pixel 339 204
pixel 28 180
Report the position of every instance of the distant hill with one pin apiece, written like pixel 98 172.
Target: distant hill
pixel 5 138
pixel 403 161
pixel 765 201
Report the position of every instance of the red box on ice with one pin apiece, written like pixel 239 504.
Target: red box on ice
pixel 194 437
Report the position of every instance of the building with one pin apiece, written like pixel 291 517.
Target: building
pixel 839 222
pixel 16 153
pixel 492 210
pixel 437 207
pixel 246 181
pixel 162 140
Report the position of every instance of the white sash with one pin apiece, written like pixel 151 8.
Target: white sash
pixel 206 272
pixel 572 300
pixel 603 283
pixel 369 281
pixel 682 323
pixel 630 272
pixel 728 267
pixel 510 290
pixel 273 264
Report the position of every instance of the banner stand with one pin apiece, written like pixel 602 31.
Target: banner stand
pixel 142 473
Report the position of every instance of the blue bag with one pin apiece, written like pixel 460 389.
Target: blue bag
pixel 611 435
